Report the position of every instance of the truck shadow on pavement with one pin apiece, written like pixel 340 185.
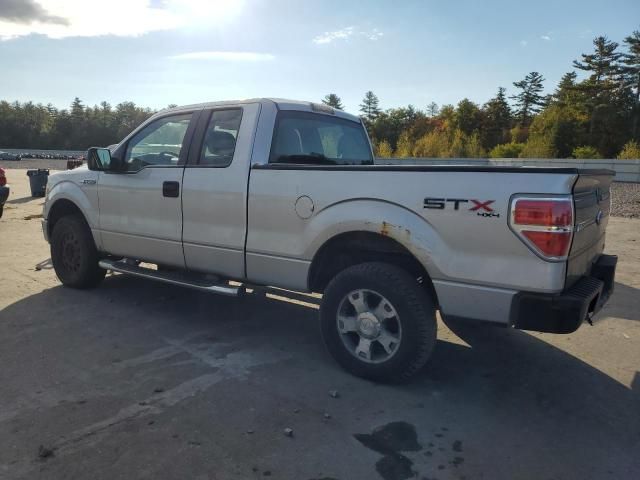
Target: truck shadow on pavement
pixel 496 396
pixel 625 303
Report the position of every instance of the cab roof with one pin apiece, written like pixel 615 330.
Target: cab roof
pixel 281 103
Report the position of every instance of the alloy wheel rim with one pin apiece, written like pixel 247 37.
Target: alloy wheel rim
pixel 369 326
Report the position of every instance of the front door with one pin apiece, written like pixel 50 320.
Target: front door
pixel 140 206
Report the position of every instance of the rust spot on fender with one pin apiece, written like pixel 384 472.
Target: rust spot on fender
pixel 385 229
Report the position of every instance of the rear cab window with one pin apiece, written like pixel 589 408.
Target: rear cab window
pixel 317 139
pixel 219 143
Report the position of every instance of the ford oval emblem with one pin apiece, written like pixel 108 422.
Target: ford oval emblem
pixel 599 217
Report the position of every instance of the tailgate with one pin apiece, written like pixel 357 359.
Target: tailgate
pixel 592 203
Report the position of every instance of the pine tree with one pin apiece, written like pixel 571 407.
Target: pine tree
pixel 370 106
pixel 530 100
pixel 497 120
pixel 603 63
pixel 631 74
pixel 333 100
pixel 432 109
pixel 566 89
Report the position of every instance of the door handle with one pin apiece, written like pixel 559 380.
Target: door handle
pixel 170 189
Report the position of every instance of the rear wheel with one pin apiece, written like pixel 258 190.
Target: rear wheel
pixel 378 322
pixel 74 254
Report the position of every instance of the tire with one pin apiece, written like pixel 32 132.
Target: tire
pixel 404 319
pixel 74 254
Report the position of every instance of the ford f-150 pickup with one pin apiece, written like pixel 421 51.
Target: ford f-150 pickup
pixel 287 194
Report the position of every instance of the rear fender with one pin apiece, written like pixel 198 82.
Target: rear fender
pixel 381 217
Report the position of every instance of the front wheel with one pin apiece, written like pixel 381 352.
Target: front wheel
pixel 378 322
pixel 74 254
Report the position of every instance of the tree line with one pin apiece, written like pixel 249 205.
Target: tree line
pixel 37 126
pixel 595 117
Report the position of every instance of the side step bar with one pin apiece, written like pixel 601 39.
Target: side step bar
pixel 173 278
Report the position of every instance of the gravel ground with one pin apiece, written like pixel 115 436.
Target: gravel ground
pixel 625 200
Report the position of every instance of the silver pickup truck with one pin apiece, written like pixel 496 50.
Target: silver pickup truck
pixel 286 194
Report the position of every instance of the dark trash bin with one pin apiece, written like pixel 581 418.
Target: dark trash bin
pixel 74 163
pixel 38 181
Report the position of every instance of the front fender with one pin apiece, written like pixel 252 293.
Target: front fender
pixel 85 198
pixel 381 217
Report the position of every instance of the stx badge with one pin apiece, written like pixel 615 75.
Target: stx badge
pixel 481 207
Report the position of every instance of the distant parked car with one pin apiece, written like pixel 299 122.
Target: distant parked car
pixel 9 156
pixel 4 190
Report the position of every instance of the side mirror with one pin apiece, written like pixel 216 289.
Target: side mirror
pixel 99 159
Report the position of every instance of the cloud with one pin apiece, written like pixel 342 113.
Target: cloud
pixel 347 33
pixel 523 43
pixel 225 56
pixel 328 37
pixel 125 18
pixel 545 37
pixel 27 11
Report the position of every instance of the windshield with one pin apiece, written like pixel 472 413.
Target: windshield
pixel 311 138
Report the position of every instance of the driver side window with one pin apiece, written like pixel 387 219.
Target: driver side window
pixel 159 143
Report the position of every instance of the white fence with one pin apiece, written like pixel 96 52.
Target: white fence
pixel 626 170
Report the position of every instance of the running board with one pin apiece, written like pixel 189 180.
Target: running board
pixel 173 278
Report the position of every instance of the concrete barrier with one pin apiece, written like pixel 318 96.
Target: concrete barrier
pixel 626 170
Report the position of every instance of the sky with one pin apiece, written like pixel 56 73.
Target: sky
pixel 160 52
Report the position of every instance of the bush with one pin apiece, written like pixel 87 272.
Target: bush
pixel 434 144
pixel 630 151
pixel 586 152
pixel 507 150
pixel 474 147
pixel 383 149
pixel 405 146
pixel 538 146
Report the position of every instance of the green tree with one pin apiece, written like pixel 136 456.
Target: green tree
pixel 497 120
pixel 567 91
pixel 602 63
pixel 370 106
pixel 530 99
pixel 467 117
pixel 333 100
pixel 631 74
pixel 606 97
pixel 390 124
pixel 432 109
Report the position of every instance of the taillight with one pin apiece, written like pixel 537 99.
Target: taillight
pixel 3 179
pixel 544 224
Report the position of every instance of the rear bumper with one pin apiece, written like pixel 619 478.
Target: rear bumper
pixel 565 312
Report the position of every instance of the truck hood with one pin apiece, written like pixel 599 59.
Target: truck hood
pixel 77 176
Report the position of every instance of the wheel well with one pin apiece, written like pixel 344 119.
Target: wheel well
pixel 352 248
pixel 60 209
